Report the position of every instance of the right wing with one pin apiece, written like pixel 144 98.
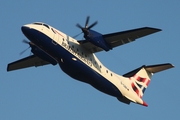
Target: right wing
pixel 26 62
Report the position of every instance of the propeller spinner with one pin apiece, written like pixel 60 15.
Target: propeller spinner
pixel 86 29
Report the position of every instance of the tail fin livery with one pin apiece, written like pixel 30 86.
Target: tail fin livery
pixel 140 77
pixel 140 81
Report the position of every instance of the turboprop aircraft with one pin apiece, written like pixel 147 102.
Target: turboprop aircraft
pixel 78 59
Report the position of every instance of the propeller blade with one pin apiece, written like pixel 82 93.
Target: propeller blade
pixel 87 21
pixel 25 41
pixel 24 51
pixel 79 26
pixel 92 25
pixel 77 35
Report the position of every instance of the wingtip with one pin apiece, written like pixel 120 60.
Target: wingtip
pixel 154 29
pixel 8 68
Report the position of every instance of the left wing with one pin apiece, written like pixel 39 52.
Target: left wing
pixel 120 38
pixel 26 62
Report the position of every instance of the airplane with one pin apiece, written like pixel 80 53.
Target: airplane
pixel 78 60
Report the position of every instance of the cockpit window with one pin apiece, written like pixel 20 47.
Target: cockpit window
pixel 46 26
pixel 53 30
pixel 37 23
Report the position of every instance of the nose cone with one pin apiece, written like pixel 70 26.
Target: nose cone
pixel 25 29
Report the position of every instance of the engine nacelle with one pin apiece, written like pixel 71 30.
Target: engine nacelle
pixel 41 54
pixel 98 40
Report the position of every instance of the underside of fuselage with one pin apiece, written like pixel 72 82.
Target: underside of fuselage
pixel 70 64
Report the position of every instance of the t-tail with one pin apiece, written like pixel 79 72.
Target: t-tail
pixel 140 79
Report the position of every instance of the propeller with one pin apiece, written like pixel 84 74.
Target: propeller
pixel 86 29
pixel 26 42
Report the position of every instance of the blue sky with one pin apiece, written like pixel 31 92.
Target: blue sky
pixel 46 92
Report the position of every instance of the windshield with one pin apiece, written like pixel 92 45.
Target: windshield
pixel 39 23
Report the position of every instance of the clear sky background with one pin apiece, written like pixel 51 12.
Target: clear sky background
pixel 46 93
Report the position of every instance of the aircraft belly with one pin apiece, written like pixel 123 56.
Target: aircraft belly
pixel 73 69
pixel 81 72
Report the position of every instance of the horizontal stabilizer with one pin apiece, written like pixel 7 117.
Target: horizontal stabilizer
pixel 150 68
pixel 158 68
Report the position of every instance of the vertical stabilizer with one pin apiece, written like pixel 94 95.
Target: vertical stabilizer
pixel 140 81
pixel 141 77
